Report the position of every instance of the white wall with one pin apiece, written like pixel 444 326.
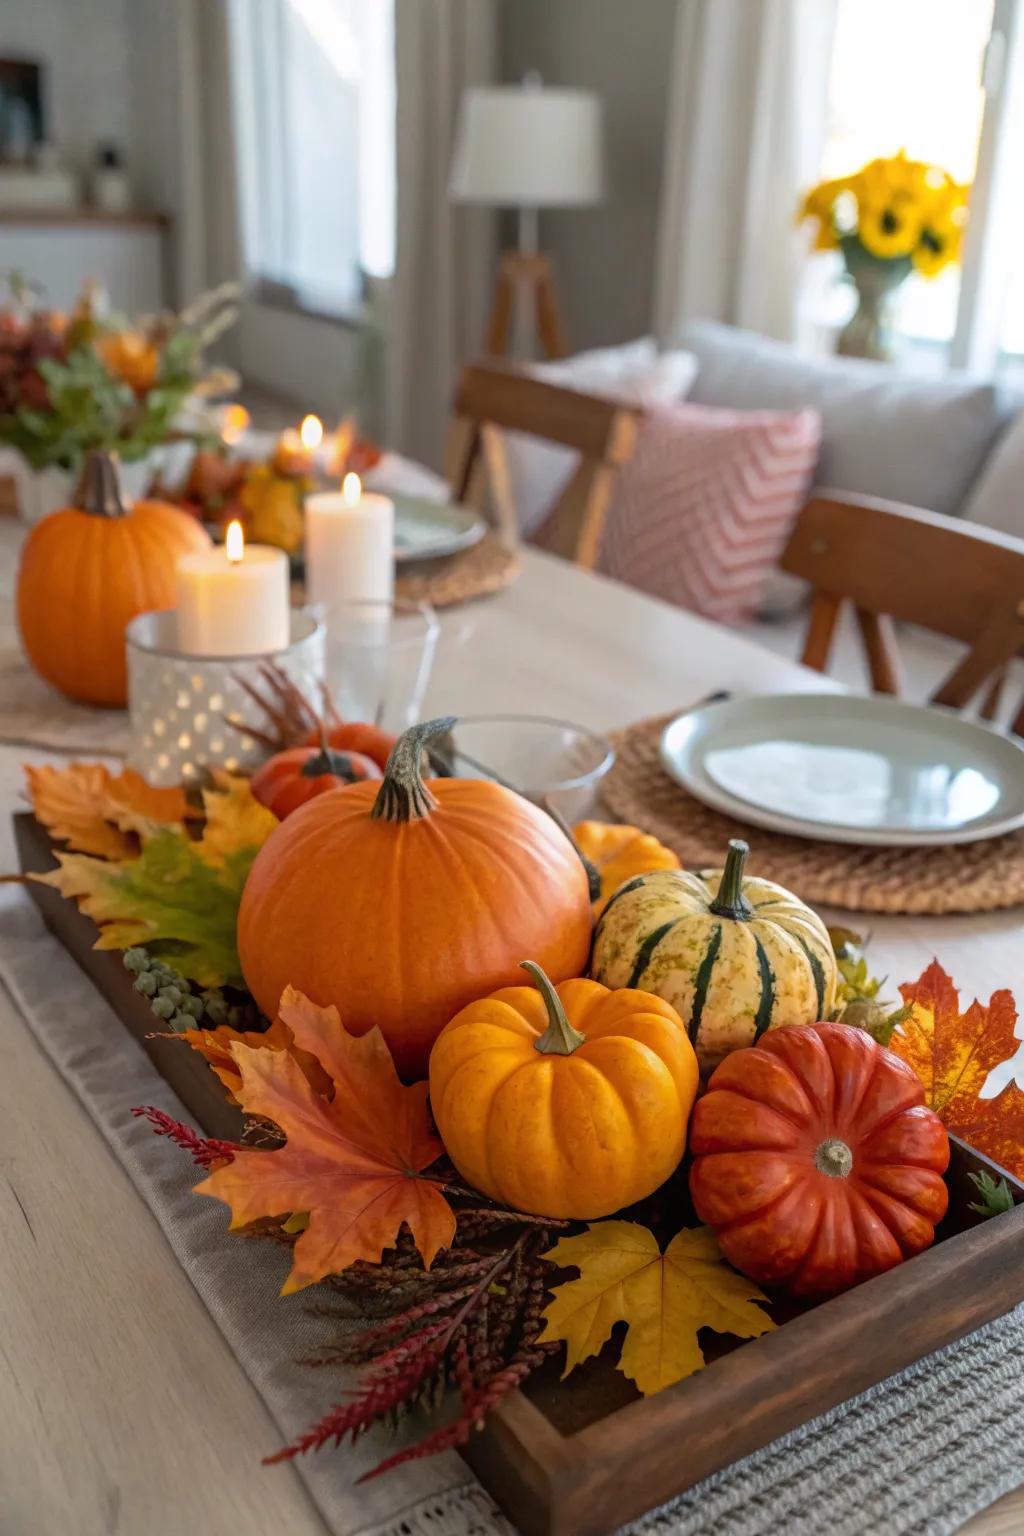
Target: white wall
pixel 604 257
pixel 84 44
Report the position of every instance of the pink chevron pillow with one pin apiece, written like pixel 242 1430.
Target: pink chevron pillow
pixel 702 511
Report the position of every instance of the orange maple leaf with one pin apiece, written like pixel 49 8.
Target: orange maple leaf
pixel 354 1162
pixel 953 1054
pixel 215 1045
pixel 94 811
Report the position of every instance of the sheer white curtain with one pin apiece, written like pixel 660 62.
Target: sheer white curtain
pixel 745 129
pixel 444 255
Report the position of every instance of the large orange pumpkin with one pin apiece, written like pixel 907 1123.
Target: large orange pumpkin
pixel 816 1159
pixel 403 901
pixel 86 572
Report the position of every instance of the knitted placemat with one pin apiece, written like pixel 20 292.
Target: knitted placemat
pixel 967 877
pixel 487 567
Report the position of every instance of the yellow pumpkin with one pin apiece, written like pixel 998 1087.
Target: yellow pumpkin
pixel 734 956
pixel 570 1101
pixel 618 853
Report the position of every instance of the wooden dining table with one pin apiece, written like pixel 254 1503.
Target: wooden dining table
pixel 122 1407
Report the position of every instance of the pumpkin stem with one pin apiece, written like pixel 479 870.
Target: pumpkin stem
pixel 325 761
pixel 403 796
pixel 834 1158
pixel 99 486
pixel 590 869
pixel 730 901
pixel 559 1039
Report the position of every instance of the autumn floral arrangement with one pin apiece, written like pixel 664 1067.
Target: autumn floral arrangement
pixel 892 217
pixel 267 495
pixel 541 1085
pixel 84 380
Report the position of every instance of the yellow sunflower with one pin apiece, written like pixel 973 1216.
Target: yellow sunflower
pixel 889 229
pixel 939 246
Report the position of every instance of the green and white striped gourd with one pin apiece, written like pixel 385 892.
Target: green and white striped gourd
pixel 733 956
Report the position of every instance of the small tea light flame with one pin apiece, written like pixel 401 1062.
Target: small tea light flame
pixel 235 422
pixel 351 489
pixel 311 432
pixel 234 542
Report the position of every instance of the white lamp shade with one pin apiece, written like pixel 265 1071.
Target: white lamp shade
pixel 528 147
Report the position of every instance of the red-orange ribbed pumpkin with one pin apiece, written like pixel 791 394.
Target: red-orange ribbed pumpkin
pixel 816 1159
pixel 86 572
pixel 403 901
pixel 290 779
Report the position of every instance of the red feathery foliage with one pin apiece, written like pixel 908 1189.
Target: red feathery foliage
pixel 206 1151
pixel 398 1375
pixel 476 1405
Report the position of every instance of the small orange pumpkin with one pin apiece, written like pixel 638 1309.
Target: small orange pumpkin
pixel 619 853
pixel 86 572
pixel 289 779
pixel 570 1101
pixel 356 736
pixel 401 902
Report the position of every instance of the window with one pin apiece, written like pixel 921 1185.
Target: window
pixel 314 95
pixel 944 80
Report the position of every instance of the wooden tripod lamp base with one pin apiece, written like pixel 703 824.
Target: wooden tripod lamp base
pixel 525 279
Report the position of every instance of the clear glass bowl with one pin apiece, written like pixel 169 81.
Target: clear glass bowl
pixel 543 759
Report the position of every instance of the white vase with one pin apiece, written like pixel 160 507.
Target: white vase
pixel 42 491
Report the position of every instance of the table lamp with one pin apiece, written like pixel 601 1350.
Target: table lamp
pixel 528 147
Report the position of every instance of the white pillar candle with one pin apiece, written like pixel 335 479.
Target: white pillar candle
pixel 350 547
pixel 233 600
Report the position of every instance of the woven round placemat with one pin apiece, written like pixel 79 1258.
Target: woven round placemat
pixel 488 567
pixel 970 877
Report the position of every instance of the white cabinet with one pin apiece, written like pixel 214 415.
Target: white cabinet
pixel 124 252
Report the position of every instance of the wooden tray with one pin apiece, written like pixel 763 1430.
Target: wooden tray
pixel 584 1456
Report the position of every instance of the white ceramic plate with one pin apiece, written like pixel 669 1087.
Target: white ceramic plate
pixel 429 530
pixel 849 769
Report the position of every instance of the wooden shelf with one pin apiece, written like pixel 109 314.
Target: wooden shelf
pixel 60 218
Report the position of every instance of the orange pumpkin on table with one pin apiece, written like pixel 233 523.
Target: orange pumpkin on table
pixel 290 779
pixel 355 736
pixel 816 1160
pixel 86 572
pixel 403 901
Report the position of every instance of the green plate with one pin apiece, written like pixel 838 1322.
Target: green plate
pixel 430 530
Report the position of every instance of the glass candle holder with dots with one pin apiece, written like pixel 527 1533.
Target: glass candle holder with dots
pixel 180 706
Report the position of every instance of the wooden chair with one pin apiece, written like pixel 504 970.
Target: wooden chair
pixel 492 398
pixel 898 564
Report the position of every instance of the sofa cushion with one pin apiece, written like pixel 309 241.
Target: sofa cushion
pixel 997 498
pixel 701 512
pixel 884 432
pixel 636 373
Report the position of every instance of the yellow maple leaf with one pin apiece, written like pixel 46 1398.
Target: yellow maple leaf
pixel 94 810
pixel 664 1298
pixel 235 819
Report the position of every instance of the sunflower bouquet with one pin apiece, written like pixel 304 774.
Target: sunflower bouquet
pixel 893 217
pixel 892 210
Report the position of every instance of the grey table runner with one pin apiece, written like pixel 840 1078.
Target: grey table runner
pixel 921 1453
